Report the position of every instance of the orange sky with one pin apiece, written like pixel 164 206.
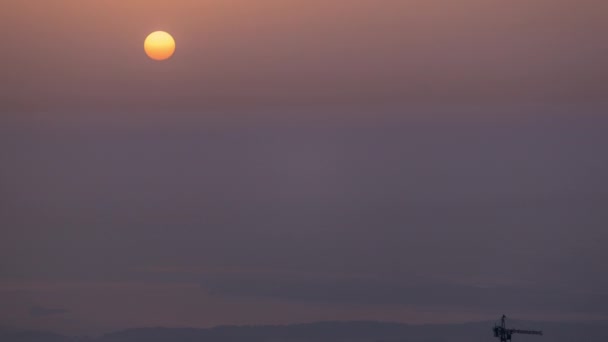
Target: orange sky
pixel 75 54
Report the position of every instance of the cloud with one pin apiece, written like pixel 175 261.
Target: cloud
pixel 417 293
pixel 39 311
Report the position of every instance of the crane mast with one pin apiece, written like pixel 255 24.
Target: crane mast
pixel 501 332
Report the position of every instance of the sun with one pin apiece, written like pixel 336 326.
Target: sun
pixel 159 45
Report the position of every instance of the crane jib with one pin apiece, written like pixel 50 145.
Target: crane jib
pixel 529 332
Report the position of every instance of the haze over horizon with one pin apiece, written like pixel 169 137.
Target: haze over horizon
pixel 296 161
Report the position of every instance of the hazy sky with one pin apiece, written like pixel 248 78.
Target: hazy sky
pixel 414 160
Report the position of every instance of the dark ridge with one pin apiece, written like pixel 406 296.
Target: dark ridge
pixel 338 331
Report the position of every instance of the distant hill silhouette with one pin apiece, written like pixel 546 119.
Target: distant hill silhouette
pixel 362 331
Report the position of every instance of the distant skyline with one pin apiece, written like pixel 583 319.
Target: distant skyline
pixel 411 161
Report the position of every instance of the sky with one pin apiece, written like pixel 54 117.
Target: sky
pixel 416 161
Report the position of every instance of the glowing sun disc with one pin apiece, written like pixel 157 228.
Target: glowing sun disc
pixel 159 45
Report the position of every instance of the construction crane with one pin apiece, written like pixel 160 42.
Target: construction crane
pixel 504 334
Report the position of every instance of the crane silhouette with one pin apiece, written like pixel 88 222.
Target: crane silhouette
pixel 504 334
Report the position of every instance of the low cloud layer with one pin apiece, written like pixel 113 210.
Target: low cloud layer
pixel 393 292
pixel 39 311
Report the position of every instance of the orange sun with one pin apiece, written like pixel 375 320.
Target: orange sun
pixel 159 45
